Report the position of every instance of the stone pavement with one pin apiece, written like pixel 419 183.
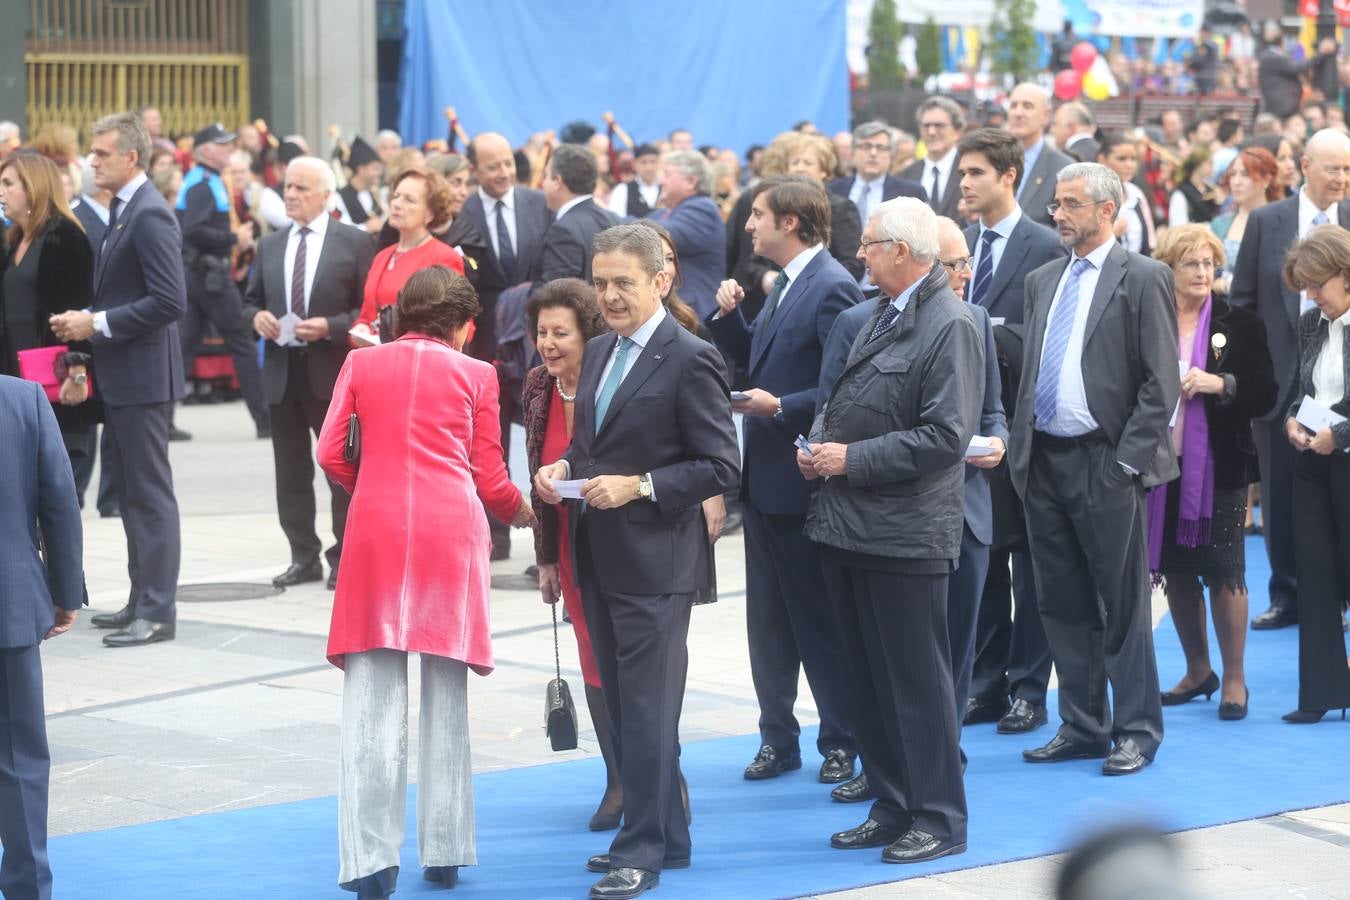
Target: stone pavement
pixel 243 710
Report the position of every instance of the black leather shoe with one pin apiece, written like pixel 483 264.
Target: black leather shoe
pixel 980 711
pixel 119 620
pixel 622 884
pixel 770 762
pixel 869 834
pixel 1278 616
pixel 331 584
pixel 1021 718
pixel 855 791
pixel 1206 687
pixel 140 631
pixel 920 846
pixel 110 512
pixel 600 863
pixel 298 574
pixel 1307 716
pixel 837 767
pixel 1060 749
pixel 178 434
pixel 446 876
pixel 1231 712
pixel 1126 759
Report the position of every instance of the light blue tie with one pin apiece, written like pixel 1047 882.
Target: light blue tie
pixel 1320 219
pixel 1056 343
pixel 611 386
pixel 984 272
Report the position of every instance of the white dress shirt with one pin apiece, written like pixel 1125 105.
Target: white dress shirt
pixel 1307 211
pixel 1072 416
pixel 1004 230
pixel 944 170
pixel 575 201
pixel 1329 370
pixel 123 198
pixel 318 230
pixel 618 198
pixel 490 213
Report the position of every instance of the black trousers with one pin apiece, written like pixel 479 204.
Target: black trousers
pixel 1276 456
pixel 139 438
pixel 109 491
pixel 1085 520
pixel 25 768
pixel 640 650
pixel 224 310
pixel 964 587
pixel 81 446
pixel 1322 530
pixel 299 414
pixel 790 628
pixel 898 684
pixel 1012 658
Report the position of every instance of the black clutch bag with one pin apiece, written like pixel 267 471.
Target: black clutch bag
pixel 351 451
pixel 560 713
pixel 388 319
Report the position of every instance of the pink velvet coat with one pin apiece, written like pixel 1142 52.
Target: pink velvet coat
pixel 414 573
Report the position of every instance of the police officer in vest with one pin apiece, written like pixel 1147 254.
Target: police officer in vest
pixel 210 237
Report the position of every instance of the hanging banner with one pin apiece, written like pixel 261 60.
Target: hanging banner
pixel 1136 18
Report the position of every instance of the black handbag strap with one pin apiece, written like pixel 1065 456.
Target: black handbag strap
pixel 557 660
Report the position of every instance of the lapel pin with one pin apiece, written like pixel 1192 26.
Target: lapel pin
pixel 1218 341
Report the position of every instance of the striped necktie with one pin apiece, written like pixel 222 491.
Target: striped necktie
pixel 1056 343
pixel 984 272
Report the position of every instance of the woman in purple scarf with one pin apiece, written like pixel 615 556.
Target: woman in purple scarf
pixel 1195 523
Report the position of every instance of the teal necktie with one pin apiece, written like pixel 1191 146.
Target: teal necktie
pixel 611 386
pixel 770 307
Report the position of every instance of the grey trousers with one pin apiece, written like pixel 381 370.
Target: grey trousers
pixel 373 770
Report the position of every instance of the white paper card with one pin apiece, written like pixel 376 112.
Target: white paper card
pixel 803 445
pixel 1315 415
pixel 287 323
pixel 1183 367
pixel 995 321
pixel 569 490
pixel 739 396
pixel 980 446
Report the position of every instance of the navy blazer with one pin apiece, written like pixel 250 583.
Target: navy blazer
pixel 566 250
pixel 993 423
pixel 701 241
pixel 1258 285
pixel 138 282
pixel 670 417
pixel 1030 246
pixel 38 510
pixel 784 359
pixel 891 188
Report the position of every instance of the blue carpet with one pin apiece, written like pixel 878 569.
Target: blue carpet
pixel 765 839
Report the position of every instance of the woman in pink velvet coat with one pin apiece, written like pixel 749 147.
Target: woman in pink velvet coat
pixel 414 578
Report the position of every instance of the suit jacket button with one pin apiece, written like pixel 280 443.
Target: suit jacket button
pixel 591 463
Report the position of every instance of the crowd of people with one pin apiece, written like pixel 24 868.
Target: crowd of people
pixel 966 365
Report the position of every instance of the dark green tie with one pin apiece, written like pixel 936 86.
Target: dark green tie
pixel 771 305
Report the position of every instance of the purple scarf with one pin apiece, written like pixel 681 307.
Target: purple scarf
pixel 1195 512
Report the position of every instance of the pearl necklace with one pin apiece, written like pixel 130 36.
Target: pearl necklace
pixel 567 398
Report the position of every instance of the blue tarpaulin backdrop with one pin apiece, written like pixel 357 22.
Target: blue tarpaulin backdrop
pixel 735 73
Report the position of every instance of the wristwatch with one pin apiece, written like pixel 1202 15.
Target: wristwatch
pixel 80 378
pixel 645 486
pixel 778 413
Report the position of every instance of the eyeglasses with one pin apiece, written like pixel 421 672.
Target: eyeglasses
pixel 865 244
pixel 1056 206
pixel 934 126
pixel 872 148
pixel 1195 265
pixel 1333 171
pixel 956 265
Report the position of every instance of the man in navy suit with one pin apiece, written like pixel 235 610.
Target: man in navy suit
pixel 1012 656
pixel 788 621
pixel 941 121
pixel 569 183
pixel 41 587
pixel 653 438
pixel 514 220
pixel 693 220
pixel 872 185
pixel 139 296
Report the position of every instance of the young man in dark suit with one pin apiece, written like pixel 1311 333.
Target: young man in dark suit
pixel 569 183
pixel 1004 246
pixel 788 621
pixel 652 439
pixel 1089 437
pixel 139 296
pixel 41 588
pixel 314 271
pixel 1258 286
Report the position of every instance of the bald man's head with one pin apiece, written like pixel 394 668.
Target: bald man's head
pixel 1326 167
pixel 955 255
pixel 1028 113
pixel 493 163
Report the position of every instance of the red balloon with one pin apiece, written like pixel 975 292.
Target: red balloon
pixel 1082 56
pixel 1068 84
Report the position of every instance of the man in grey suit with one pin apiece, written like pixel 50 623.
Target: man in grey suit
pixel 1028 114
pixel 41 588
pixel 1012 659
pixel 1258 286
pixel 139 296
pixel 1090 435
pixel 315 271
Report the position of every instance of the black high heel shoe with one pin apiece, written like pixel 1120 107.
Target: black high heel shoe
pixel 1207 687
pixel 1231 712
pixel 1308 716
